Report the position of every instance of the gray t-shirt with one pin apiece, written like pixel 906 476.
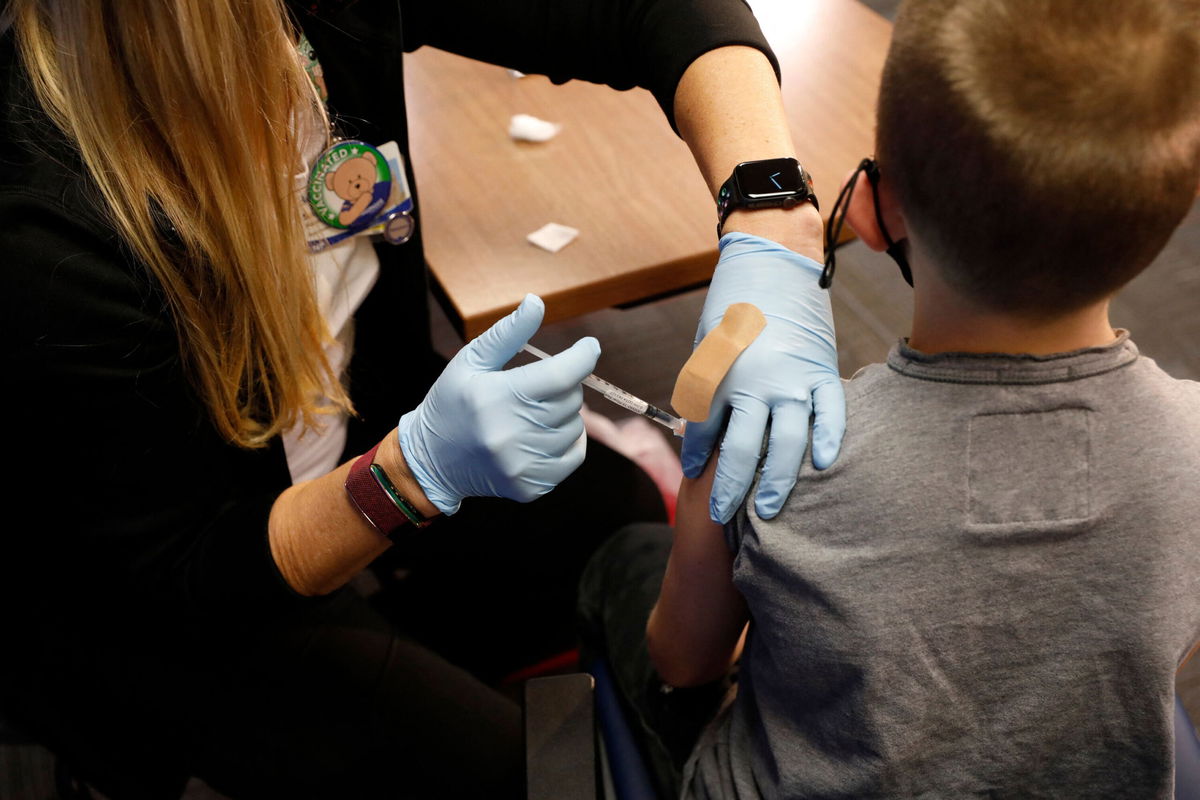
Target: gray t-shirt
pixel 986 596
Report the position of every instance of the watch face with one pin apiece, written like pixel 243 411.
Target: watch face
pixel 776 177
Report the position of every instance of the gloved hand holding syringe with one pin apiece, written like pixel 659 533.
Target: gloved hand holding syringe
pixel 623 398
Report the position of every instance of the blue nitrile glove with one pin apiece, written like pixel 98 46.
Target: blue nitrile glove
pixel 484 432
pixel 792 360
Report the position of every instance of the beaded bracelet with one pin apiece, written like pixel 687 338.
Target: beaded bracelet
pixel 406 508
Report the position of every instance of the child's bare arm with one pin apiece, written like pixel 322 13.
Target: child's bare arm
pixel 695 629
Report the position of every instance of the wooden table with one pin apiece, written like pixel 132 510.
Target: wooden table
pixel 481 192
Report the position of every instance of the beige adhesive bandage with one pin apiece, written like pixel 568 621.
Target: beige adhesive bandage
pixel 704 371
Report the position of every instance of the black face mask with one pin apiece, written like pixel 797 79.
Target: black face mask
pixel 837 219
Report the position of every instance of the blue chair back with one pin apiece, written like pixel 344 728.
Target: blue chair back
pixel 1187 756
pixel 631 780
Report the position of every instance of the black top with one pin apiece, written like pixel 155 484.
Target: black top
pixel 134 504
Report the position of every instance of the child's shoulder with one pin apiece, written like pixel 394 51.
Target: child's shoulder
pixel 1159 396
pixel 866 379
pixel 1149 372
pixel 864 386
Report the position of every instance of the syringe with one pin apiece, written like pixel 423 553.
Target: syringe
pixel 623 398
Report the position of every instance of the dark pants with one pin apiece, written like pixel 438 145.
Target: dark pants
pixel 616 594
pixel 495 589
pixel 347 698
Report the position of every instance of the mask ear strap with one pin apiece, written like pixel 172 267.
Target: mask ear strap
pixel 837 220
pixel 894 249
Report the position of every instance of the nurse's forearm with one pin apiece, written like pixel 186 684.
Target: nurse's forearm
pixel 728 109
pixel 318 538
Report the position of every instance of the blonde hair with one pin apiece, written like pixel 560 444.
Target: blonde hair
pixel 190 116
pixel 1043 150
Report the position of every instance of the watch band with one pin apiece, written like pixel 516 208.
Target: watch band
pixel 376 498
pixel 731 196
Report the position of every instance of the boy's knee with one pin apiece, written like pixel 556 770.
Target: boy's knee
pixel 626 554
pixel 631 561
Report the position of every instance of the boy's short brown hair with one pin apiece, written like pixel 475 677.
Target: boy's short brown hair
pixel 1042 150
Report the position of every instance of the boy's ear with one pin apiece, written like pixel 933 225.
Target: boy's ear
pixel 860 215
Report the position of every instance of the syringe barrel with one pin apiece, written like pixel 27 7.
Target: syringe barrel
pixel 626 401
pixel 621 397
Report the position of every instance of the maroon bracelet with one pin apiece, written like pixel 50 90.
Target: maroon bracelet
pixel 376 498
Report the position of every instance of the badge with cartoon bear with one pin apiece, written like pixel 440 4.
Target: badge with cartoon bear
pixel 355 188
pixel 349 185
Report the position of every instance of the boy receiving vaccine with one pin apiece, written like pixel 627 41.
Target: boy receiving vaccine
pixel 989 593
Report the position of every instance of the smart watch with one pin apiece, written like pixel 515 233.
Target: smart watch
pixel 772 183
